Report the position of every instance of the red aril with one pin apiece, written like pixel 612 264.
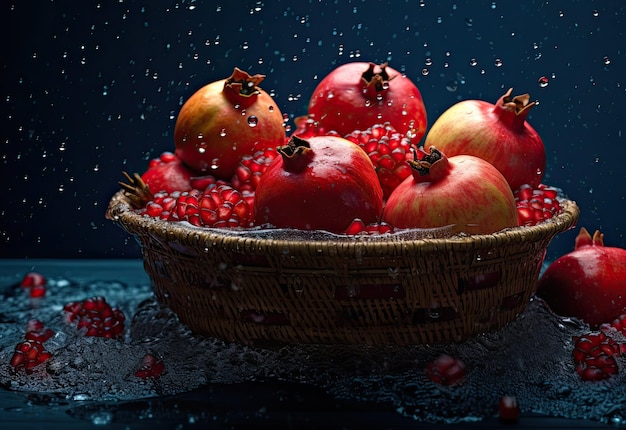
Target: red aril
pixel 322 183
pixel 497 133
pixel 389 150
pixel 225 120
pixel 358 95
pixel 535 205
pixel 587 283
pixel 446 370
pixel 465 193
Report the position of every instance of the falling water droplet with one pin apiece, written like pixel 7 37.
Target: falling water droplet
pixel 606 60
pixel 543 81
pixel 497 62
pixel 473 62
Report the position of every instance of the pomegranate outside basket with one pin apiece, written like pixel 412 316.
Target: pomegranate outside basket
pixel 269 290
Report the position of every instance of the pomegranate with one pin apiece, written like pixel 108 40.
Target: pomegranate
pixel 322 183
pixel 464 192
pixel 167 173
pixel 587 283
pixel 225 120
pixel 358 95
pixel 497 133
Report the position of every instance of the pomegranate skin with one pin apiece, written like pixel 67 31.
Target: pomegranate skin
pixel 464 193
pixel 322 187
pixel 169 177
pixel 225 120
pixel 497 133
pixel 358 95
pixel 588 283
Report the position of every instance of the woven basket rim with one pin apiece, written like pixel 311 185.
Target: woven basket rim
pixel 121 212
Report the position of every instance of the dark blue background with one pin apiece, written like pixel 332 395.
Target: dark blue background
pixel 89 89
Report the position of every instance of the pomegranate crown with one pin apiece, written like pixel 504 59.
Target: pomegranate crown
pixel 296 154
pixel 379 81
pixel 521 104
pixel 243 83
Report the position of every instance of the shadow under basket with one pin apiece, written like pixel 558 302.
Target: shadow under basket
pixel 271 290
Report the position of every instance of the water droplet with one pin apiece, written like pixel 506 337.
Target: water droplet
pixel 606 60
pixel 428 62
pixel 451 86
pixel 215 163
pixel 595 13
pixel 253 121
pixel 223 132
pixel 497 62
pixel 469 22
pixel 543 81
pixel 425 71
pixel 473 62
pixel 270 108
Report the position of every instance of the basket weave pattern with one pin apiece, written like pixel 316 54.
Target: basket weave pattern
pixel 271 291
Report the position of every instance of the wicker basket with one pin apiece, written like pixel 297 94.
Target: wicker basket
pixel 269 290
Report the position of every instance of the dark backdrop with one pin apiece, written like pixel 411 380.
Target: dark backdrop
pixel 90 88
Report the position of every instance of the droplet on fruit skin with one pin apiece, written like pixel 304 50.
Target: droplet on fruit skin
pixel 223 132
pixel 253 121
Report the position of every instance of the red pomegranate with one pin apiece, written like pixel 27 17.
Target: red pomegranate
pixel 497 133
pixel 464 192
pixel 322 183
pixel 588 283
pixel 225 120
pixel 358 95
pixel 167 173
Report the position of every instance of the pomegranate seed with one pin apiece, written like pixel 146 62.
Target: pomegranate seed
pixel 508 409
pixel 97 317
pixel 446 370
pixel 151 367
pixel 536 205
pixel 388 150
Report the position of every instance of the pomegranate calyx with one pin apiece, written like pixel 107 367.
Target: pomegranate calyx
pixel 517 108
pixel 430 167
pixel 376 82
pixel 584 239
pixel 241 88
pixel 296 154
pixel 136 190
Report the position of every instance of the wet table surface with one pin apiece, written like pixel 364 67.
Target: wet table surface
pixel 274 405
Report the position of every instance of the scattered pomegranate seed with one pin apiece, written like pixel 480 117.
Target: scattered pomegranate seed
pixel 37 332
pixel 446 370
pixel 536 205
pixel 389 150
pixel 97 317
pixel 35 283
pixel 29 354
pixel 151 367
pixel 594 356
pixel 358 227
pixel 508 409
